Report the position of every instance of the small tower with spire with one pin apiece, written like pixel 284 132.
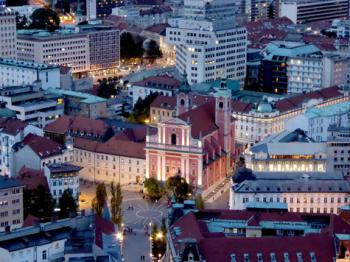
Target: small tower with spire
pixel 184 97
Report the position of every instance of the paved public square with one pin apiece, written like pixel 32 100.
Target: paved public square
pixel 138 212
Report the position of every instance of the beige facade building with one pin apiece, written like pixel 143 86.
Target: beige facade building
pixel 64 48
pixel 11 204
pixel 7 33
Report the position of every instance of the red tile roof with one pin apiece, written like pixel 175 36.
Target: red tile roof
pixel 32 178
pixel 77 124
pixel 161 82
pixel 11 126
pixel 165 102
pixel 321 245
pixel 31 221
pixel 116 145
pixel 157 28
pixel 43 146
pixel 202 119
pixel 103 226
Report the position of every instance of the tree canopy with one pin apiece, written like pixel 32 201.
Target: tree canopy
pixel 106 89
pixel 141 109
pixel 45 18
pixel 199 202
pixel 68 205
pixel 38 202
pixel 116 204
pixel 100 199
pixel 153 50
pixel 130 46
pixel 178 185
pixel 154 188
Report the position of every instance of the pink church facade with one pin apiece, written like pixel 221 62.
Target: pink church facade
pixel 197 144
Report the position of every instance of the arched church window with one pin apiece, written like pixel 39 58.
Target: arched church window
pixel 173 139
pixel 221 105
pixel 182 102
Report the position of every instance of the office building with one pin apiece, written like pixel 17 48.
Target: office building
pixel 254 10
pixel 273 73
pixel 31 105
pixel 287 152
pixel 7 32
pixel 81 104
pixel 104 49
pixel 305 11
pixel 338 149
pixel 209 44
pixel 15 73
pixel 300 192
pixel 63 48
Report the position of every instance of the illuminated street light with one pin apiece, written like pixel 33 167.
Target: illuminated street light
pixel 159 235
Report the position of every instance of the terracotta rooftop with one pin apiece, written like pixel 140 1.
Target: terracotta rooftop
pixel 43 146
pixel 32 178
pixel 157 28
pixel 192 228
pixel 78 124
pixel 11 126
pixel 202 119
pixel 165 102
pixel 159 82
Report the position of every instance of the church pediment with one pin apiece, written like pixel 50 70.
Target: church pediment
pixel 175 121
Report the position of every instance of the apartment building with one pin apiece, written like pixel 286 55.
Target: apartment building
pixel 254 9
pixel 11 204
pixel 61 177
pixel 301 192
pixel 305 11
pixel 7 33
pixel 16 73
pixel 64 48
pixel 36 152
pixel 209 45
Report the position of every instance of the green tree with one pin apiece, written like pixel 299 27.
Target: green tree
pixel 68 205
pixel 141 110
pixel 45 18
pixel 38 202
pixel 178 185
pixel 199 202
pixel 106 89
pixel 21 22
pixel 100 199
pixel 154 188
pixel 130 46
pixel 116 204
pixel 153 50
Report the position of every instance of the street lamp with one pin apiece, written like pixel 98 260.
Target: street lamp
pixel 120 239
pixel 159 235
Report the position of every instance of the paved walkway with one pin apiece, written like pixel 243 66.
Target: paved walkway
pixel 136 246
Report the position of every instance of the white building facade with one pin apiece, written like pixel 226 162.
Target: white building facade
pixel 209 45
pixel 8 34
pixel 15 73
pixel 301 194
pixel 62 48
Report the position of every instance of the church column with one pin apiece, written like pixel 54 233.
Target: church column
pixel 163 168
pixel 159 170
pixel 187 167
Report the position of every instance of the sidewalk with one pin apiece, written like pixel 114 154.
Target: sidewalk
pixel 136 246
